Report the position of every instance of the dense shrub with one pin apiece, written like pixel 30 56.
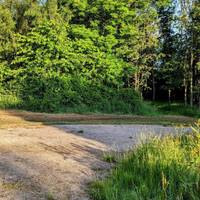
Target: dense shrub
pixel 55 72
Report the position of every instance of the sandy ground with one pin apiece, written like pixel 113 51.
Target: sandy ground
pixel 57 162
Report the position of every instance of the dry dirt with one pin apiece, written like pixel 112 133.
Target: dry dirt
pixel 16 118
pixel 40 162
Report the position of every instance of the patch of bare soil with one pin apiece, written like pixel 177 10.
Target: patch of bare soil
pixel 46 163
pixel 16 118
pixel 13 120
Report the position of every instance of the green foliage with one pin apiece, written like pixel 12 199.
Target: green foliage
pixel 166 168
pixel 51 70
pixel 9 101
pixel 6 33
pixel 6 24
pixel 51 51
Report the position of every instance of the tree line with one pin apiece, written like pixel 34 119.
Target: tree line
pixel 101 53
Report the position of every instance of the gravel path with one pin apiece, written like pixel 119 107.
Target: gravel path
pixel 120 137
pixel 57 162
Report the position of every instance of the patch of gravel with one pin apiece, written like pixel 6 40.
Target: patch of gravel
pixel 121 137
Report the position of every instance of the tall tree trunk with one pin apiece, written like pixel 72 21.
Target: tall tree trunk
pixel 191 89
pixel 169 96
pixel 137 87
pixel 153 87
pixel 199 102
pixel 191 80
pixel 185 91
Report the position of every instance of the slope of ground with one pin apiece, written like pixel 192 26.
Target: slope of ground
pixel 13 118
pixel 57 162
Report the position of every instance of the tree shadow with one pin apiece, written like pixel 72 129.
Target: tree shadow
pixel 18 182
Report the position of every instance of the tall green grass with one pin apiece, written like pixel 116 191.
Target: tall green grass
pixel 161 169
pixel 176 109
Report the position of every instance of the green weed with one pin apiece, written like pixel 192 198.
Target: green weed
pixel 49 196
pixel 110 157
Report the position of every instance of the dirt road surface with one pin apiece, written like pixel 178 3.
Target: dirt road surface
pixel 57 162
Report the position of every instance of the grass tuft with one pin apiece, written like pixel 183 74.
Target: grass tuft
pixel 49 196
pixel 110 157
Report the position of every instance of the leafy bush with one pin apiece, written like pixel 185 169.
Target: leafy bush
pixel 55 72
pixel 9 101
pixel 166 168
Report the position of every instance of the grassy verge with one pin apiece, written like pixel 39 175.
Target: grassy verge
pixel 176 109
pixel 132 106
pixel 161 169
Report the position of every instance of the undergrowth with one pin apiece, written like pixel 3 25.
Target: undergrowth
pixel 87 100
pixel 177 109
